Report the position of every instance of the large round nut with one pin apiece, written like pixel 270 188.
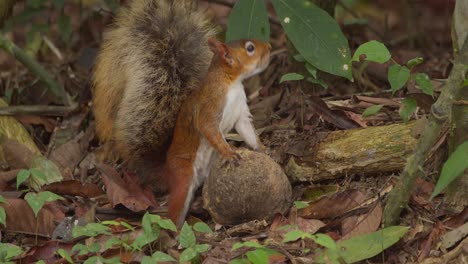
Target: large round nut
pixel 254 189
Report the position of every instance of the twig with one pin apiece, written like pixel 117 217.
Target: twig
pixel 399 197
pixel 34 67
pixel 43 110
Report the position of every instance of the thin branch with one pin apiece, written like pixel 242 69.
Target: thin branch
pixel 43 110
pixel 34 67
pixel 399 197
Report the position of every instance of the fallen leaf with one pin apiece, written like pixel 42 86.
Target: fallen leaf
pixel 433 237
pixel 309 225
pixel 363 224
pixel 454 236
pixel 46 252
pixel 20 218
pixel 74 188
pixel 125 190
pixel 48 123
pixel 333 206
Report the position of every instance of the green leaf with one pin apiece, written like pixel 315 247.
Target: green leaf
pixel 299 58
pixel 366 246
pixel 325 241
pixel 407 109
pixel 300 204
pixel 40 262
pixel 22 176
pixel 202 228
pixel 64 254
pixel 187 255
pixel 167 224
pixel 94 247
pixel 40 167
pixel 454 167
pixel 65 28
pixel 146 223
pixel 202 248
pixel 187 237
pixel 2 216
pixel 293 236
pixel 258 256
pixel 414 62
pixel 291 77
pixel 9 251
pixel 34 202
pixel 80 249
pixel 159 256
pixel 374 51
pixel 90 230
pixel 398 76
pixel 113 241
pixel 239 261
pixel 316 35
pixel 248 20
pixel 424 83
pixel 318 81
pixel 49 196
pixel 251 244
pixel 372 110
pixel 312 70
pixel 145 238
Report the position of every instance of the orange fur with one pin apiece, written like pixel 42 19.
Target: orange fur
pixel 200 118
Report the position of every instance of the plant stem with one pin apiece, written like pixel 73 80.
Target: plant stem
pixel 399 197
pixel 34 67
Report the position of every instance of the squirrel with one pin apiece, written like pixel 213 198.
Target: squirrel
pixel 150 60
pixel 218 106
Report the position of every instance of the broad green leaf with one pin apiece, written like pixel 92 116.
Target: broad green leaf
pixel 49 196
pixel 90 230
pixel 187 255
pixel 251 244
pixel 2 216
pixel 146 223
pixel 316 35
pixel 454 167
pixel 34 202
pixel 319 82
pixel 9 251
pixel 291 77
pixel 398 76
pixel 300 204
pixel 414 62
pixel 167 224
pixel 202 228
pixel 372 110
pixel 312 70
pixel 424 83
pixel 22 176
pixel 374 51
pixel 187 237
pixel 80 249
pixel 64 254
pixel 159 256
pixel 202 248
pixel 239 261
pixel 293 236
pixel 258 256
pixel 43 172
pixel 94 247
pixel 408 107
pixel 145 238
pixel 113 241
pixel 369 245
pixel 40 262
pixel 94 260
pixel 299 58
pixel 324 240
pixel 65 28
pixel 248 20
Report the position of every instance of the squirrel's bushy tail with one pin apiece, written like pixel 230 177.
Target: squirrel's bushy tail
pixel 150 60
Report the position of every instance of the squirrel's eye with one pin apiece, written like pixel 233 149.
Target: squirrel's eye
pixel 250 47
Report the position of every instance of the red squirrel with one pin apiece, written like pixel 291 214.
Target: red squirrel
pixel 212 110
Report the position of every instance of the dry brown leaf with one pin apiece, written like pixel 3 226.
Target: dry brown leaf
pixel 20 218
pixel 48 123
pixel 17 155
pixel 363 224
pixel 125 190
pixel 74 188
pixel 46 252
pixel 333 206
pixel 309 225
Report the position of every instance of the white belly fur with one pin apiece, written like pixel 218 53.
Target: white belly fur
pixel 236 104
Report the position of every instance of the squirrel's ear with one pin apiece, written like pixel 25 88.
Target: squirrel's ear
pixel 220 49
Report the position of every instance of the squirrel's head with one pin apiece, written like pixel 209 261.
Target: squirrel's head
pixel 242 58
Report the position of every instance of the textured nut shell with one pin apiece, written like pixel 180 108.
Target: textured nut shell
pixel 256 189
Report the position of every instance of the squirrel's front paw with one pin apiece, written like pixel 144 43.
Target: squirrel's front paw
pixel 234 158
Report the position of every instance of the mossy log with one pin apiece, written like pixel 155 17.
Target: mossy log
pixel 365 151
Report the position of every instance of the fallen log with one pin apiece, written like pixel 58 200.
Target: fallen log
pixel 364 151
